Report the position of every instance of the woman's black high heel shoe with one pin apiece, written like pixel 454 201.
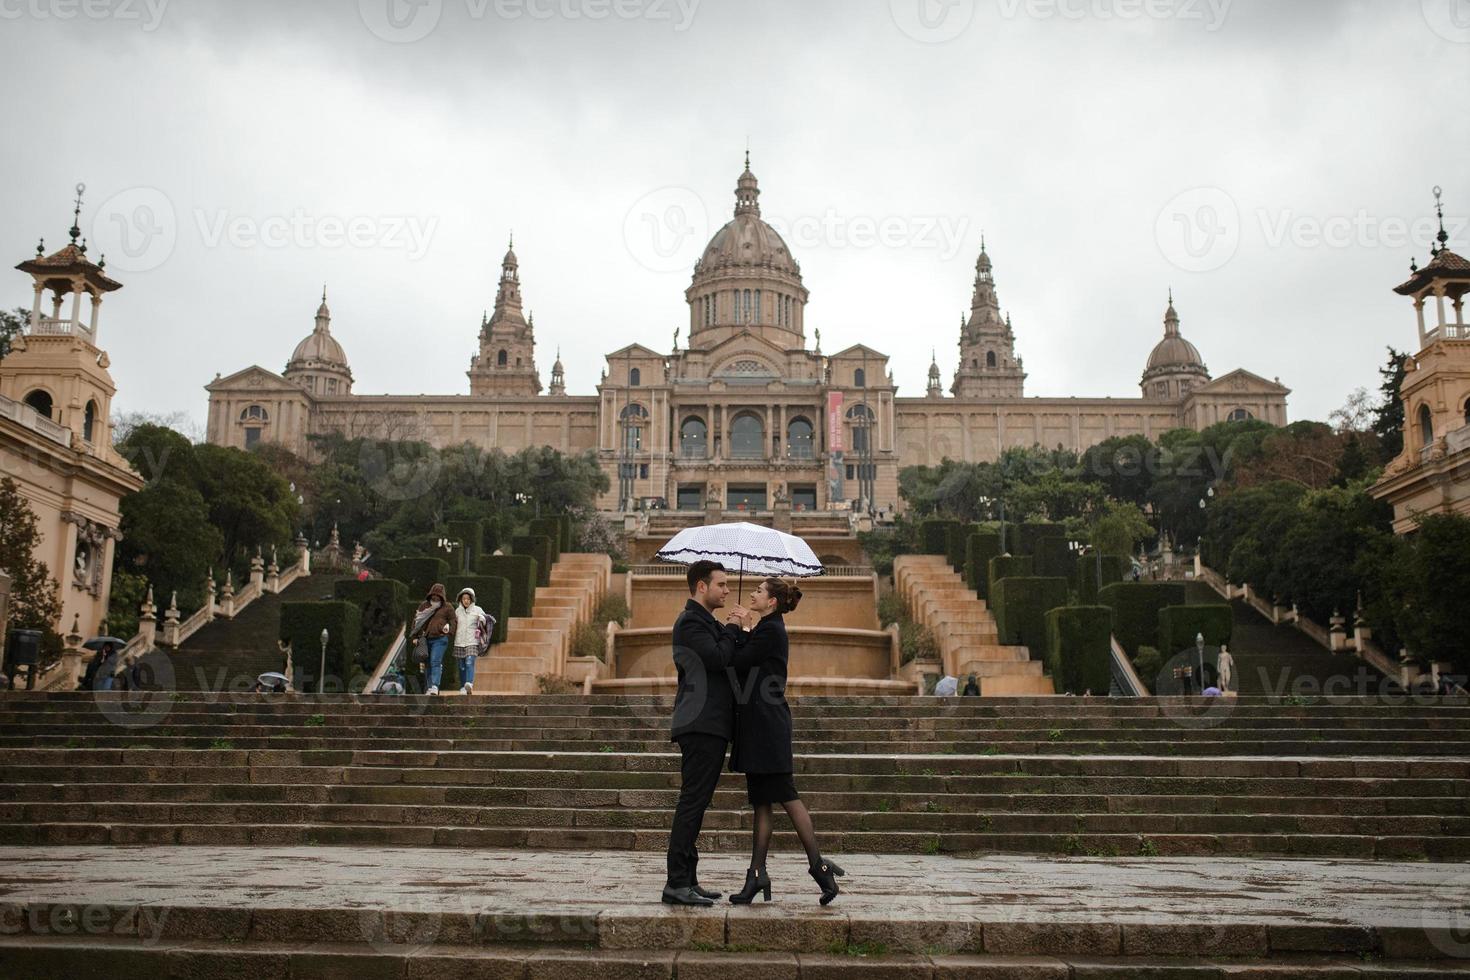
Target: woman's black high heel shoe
pixel 825 873
pixel 755 881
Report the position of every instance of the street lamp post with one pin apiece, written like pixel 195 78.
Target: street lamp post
pixel 321 677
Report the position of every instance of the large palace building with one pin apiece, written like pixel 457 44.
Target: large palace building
pixel 748 412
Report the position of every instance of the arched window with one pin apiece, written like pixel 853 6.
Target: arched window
pixel 757 313
pixel 40 401
pixel 859 378
pixel 634 418
pixel 254 414
pixel 990 358
pixel 635 378
pixel 89 421
pixel 747 437
pixel 1467 411
pixel 861 419
pixel 1426 426
pixel 1239 415
pixel 693 438
pixel 502 359
pixel 799 441
pixel 974 362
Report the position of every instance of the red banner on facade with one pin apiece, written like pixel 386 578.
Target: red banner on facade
pixel 834 422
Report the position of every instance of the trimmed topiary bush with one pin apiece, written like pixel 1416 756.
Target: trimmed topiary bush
pixel 955 542
pixel 1020 604
pixel 492 594
pixel 417 574
pixel 1002 566
pixel 489 539
pixel 538 546
pixel 301 626
pixel 568 532
pixel 471 536
pixel 1055 558
pixel 1032 532
pixel 520 572
pixel 1079 649
pixel 551 529
pixel 934 536
pixel 1087 584
pixel 384 603
pixel 1136 608
pixel 1147 663
pixel 980 547
pixel 1179 625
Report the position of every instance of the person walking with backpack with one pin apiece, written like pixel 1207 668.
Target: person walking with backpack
pixel 471 636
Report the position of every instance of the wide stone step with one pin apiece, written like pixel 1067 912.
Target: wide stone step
pixel 71 956
pixel 731 797
pixel 736 840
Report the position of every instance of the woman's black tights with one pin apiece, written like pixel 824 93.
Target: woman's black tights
pixel 765 825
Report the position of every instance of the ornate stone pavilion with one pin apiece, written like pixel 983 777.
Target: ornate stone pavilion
pixel 746 412
pixel 55 429
pixel 1432 474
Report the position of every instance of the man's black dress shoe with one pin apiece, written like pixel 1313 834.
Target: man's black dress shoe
pixel 685 896
pixel 706 893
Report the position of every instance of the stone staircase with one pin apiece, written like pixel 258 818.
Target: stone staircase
pixel 969 643
pixel 337 835
pixel 229 654
pixel 539 644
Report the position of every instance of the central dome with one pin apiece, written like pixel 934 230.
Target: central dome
pixel 746 240
pixel 1174 351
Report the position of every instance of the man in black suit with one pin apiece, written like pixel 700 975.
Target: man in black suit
pixel 704 720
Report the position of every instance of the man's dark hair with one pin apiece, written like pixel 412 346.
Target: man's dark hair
pixel 701 571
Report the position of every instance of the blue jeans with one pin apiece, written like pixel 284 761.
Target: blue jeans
pixel 437 646
pixel 466 666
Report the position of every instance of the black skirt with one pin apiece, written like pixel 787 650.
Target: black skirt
pixel 762 788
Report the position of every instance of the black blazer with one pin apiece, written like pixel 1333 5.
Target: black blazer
pixel 704 651
pixel 763 718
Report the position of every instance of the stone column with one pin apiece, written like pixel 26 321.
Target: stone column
pixel 227 596
pixel 209 590
pixel 148 621
pixel 1337 632
pixel 273 574
pixel 76 308
pixel 71 655
pixel 303 554
pixel 1419 310
pixel 257 570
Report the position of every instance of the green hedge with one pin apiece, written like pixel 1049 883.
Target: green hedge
pixel 520 572
pixel 1020 604
pixel 980 547
pixel 568 532
pixel 551 529
pixel 492 594
pixel 1032 532
pixel 471 536
pixel 301 626
pixel 1055 558
pixel 418 574
pixel 1179 625
pixel 956 539
pixel 384 603
pixel 538 546
pixel 934 536
pixel 1002 566
pixel 1136 608
pixel 1079 649
pixel 1087 584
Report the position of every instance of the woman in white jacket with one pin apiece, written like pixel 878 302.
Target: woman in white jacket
pixel 471 637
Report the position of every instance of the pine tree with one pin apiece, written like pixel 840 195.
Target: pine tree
pixel 34 603
pixel 1388 419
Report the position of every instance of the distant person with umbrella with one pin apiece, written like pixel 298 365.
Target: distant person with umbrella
pixel 762 748
pixel 102 669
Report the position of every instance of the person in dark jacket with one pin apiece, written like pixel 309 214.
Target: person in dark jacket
pixel 704 720
pixel 762 748
pixel 437 629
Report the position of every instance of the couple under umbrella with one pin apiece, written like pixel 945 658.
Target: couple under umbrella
pixel 732 685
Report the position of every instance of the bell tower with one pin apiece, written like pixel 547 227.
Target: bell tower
pixel 58 369
pixel 989 367
pixel 506 363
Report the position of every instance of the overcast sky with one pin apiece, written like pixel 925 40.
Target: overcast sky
pixel 1270 160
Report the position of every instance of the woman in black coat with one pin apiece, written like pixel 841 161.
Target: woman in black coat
pixel 762 748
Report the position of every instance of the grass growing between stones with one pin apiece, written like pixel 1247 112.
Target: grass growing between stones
pixel 858 949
